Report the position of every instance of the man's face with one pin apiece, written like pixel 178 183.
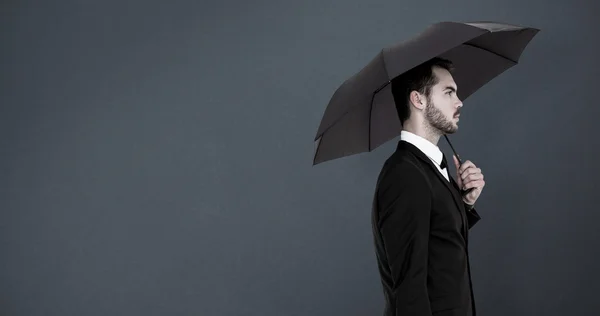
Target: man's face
pixel 443 105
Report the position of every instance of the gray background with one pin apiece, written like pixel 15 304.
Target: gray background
pixel 156 158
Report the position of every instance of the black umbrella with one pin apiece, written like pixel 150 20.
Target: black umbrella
pixel 361 115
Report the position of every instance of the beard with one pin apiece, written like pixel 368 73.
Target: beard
pixel 438 121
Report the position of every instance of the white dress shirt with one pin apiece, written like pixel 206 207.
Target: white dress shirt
pixel 428 148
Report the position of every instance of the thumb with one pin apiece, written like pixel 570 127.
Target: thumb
pixel 456 163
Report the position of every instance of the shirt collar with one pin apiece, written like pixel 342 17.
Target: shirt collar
pixel 428 148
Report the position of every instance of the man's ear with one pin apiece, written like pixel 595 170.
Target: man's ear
pixel 417 99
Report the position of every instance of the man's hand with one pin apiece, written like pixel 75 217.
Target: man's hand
pixel 469 176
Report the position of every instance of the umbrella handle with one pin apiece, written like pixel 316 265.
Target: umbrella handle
pixel 463 192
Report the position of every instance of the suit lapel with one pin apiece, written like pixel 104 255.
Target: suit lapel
pixel 451 186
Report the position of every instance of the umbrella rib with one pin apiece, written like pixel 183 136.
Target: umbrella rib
pixel 348 110
pixel 370 118
pixel 371 108
pixel 489 51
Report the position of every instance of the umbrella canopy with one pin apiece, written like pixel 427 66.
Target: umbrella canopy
pixel 361 114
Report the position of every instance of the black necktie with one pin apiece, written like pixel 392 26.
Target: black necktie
pixel 444 164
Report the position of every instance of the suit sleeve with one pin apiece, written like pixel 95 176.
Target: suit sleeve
pixel 405 204
pixel 472 217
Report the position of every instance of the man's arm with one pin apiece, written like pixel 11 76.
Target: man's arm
pixel 405 204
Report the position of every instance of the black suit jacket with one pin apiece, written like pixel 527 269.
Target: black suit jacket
pixel 421 229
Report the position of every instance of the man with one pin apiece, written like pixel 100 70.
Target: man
pixel 420 220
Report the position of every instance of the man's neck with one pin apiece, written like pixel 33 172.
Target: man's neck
pixel 423 131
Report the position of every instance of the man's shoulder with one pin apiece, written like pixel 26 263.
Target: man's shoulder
pixel 402 167
pixel 401 177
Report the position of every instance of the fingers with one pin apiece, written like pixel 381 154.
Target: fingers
pixel 471 174
pixel 467 164
pixel 478 184
pixel 456 162
pixel 470 177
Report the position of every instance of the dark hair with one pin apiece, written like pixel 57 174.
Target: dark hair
pixel 420 78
